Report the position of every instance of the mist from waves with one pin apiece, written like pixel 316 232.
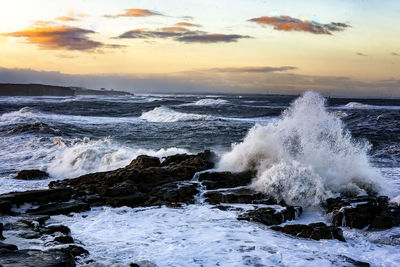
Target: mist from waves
pixel 306 156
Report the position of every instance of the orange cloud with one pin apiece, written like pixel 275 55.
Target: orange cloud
pixel 135 12
pixel 174 29
pixel 211 38
pixel 65 18
pixel 255 69
pixel 286 23
pixel 55 37
pixel 187 24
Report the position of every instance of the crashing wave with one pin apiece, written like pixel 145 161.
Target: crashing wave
pixel 76 157
pixel 164 114
pixel 305 157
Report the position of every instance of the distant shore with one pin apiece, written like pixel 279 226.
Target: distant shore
pixel 11 89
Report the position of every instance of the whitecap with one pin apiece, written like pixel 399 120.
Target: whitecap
pixel 165 114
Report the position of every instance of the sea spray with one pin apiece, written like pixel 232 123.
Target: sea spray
pixel 305 157
pixel 76 157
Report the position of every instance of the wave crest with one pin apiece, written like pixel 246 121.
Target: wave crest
pixel 305 157
pixel 164 114
pixel 210 102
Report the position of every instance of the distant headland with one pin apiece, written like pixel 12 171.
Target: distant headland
pixel 11 89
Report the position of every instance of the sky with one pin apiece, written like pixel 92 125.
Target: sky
pixel 338 47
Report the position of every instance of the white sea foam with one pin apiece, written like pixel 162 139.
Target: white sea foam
pixel 211 102
pixel 199 235
pixel 305 157
pixel 165 114
pixel 65 158
pixel 87 156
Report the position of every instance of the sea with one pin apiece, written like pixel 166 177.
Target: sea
pixel 305 149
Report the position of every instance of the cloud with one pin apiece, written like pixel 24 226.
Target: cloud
pixel 65 18
pixel 361 54
pixel 135 12
pixel 59 37
pixel 395 54
pixel 181 34
pixel 255 69
pixel 286 23
pixel 211 38
pixel 187 24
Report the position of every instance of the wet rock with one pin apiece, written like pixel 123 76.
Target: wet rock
pixel 64 239
pixel 271 216
pixel 142 183
pixel 201 160
pixel 1 232
pixel 143 162
pixel 59 208
pixel 28 258
pixel 5 207
pixel 51 229
pixel 360 212
pixel 316 231
pixel 31 175
pixel 175 193
pixel 354 262
pixel 38 196
pixel 74 250
pixel 215 180
pixel 143 264
pixel 134 200
pixel 238 195
pixel 4 248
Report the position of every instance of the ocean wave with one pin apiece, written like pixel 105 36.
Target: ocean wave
pixel 211 102
pixel 305 157
pixel 165 114
pixel 358 105
pixel 81 156
pixel 28 114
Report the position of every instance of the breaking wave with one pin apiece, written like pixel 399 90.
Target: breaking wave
pixel 305 157
pixel 164 114
pixel 210 102
pixel 76 157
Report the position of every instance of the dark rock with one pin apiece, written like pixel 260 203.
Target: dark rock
pixel 1 232
pixel 32 175
pixel 360 212
pixel 175 193
pixel 316 231
pixel 29 258
pixel 7 248
pixel 354 262
pixel 135 200
pixel 64 239
pixel 51 229
pixel 271 216
pixel 5 207
pixel 38 196
pixel 60 208
pixel 74 250
pixel 201 160
pixel 143 162
pixel 240 195
pixel 215 180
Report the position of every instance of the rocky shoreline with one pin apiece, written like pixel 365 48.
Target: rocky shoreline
pixel 176 181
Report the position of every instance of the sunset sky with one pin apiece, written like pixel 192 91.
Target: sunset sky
pixel 338 47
